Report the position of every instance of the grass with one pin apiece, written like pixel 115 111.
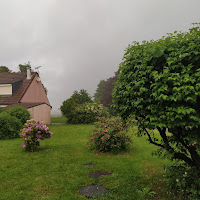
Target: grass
pixel 57 172
pixel 58 120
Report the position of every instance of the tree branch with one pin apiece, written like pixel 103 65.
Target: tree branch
pixel 183 157
pixel 164 137
pixel 151 141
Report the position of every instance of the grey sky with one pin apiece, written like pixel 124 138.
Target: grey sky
pixel 80 42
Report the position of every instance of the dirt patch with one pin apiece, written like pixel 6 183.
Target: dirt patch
pixel 151 169
pixel 97 174
pixel 89 165
pixel 92 191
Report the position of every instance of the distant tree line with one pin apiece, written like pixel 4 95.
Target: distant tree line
pixel 21 68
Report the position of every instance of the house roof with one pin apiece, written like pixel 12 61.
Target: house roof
pixel 13 78
pixel 9 78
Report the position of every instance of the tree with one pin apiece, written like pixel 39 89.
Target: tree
pixel 99 91
pixel 4 69
pixel 159 85
pixel 68 106
pixel 23 68
pixel 106 98
pixel 103 93
pixel 81 97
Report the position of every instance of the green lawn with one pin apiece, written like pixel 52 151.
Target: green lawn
pixel 58 120
pixel 57 172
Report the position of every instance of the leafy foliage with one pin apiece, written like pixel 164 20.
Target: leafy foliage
pixel 184 180
pixel 4 69
pixel 109 135
pixel 145 193
pixel 158 85
pixel 11 121
pixel 1 109
pixel 74 108
pixel 20 113
pixel 104 91
pixel 67 108
pixel 23 68
pixel 9 126
pixel 106 98
pixel 99 91
pixel 32 133
pixel 81 97
pixel 84 113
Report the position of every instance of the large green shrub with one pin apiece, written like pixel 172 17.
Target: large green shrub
pixel 159 85
pixel 9 126
pixel 20 113
pixel 79 109
pixel 69 106
pixel 109 135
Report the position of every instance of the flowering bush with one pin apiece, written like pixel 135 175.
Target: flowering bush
pixel 98 109
pixel 109 135
pixel 87 113
pixel 32 133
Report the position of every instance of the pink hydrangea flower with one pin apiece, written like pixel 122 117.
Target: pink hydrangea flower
pixel 23 144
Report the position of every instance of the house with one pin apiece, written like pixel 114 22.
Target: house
pixel 25 89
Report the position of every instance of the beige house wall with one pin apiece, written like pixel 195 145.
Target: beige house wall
pixel 3 106
pixel 41 113
pixel 5 89
pixel 35 92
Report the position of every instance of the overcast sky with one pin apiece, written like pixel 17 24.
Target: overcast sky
pixel 80 42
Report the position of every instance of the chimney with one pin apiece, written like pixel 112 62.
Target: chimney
pixel 28 73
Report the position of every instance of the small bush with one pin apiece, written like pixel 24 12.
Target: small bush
pixel 9 126
pixel 20 113
pixel 184 181
pixel 32 133
pixel 109 135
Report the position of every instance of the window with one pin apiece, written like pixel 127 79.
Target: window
pixel 5 89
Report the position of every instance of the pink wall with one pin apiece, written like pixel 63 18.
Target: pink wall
pixel 41 113
pixel 35 93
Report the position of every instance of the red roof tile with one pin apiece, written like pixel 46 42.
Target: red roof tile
pixel 9 78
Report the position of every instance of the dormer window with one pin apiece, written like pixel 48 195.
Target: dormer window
pixel 6 89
